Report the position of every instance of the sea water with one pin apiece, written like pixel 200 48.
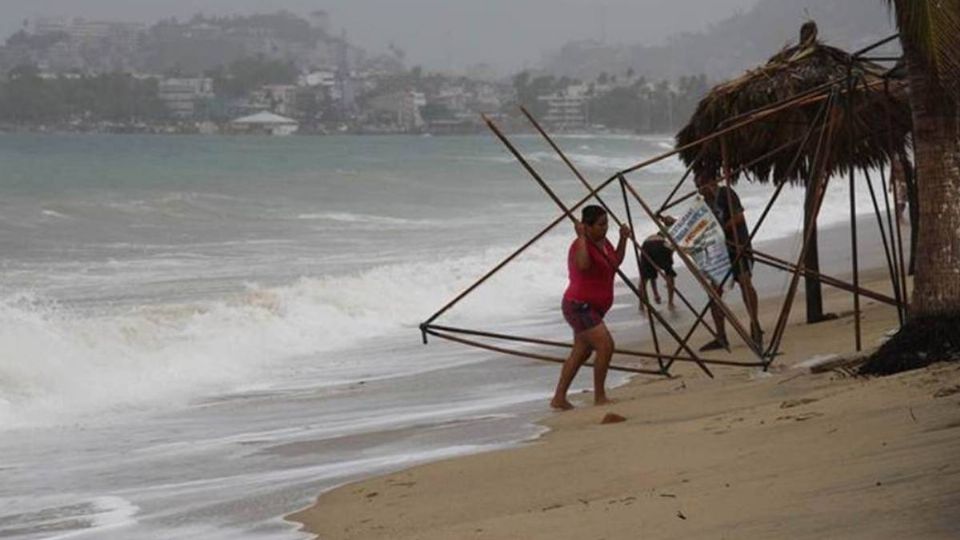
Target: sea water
pixel 200 334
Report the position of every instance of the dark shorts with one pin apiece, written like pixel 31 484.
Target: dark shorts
pixel 656 253
pixel 581 316
pixel 649 271
pixel 742 267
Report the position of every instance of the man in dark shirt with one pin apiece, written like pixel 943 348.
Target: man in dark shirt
pixel 726 207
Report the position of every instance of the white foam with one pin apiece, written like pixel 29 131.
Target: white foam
pixel 60 366
pixel 347 217
pixel 66 513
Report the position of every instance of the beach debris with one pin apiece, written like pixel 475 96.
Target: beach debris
pixel 944 392
pixel 815 360
pixel 551 507
pixel 612 418
pixel 912 415
pixel 789 404
pixel 670 495
pixel 843 363
pixel 800 417
pixel 371 495
pixel 680 515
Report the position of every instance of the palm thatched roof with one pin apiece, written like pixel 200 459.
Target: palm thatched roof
pixel 876 130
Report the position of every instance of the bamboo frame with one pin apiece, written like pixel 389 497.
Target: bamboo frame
pixel 828 93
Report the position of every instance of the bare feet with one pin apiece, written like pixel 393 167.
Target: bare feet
pixel 561 404
pixel 602 400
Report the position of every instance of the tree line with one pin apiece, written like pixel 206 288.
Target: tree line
pixel 632 103
pixel 28 98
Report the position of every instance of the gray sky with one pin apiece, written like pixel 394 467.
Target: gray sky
pixel 508 34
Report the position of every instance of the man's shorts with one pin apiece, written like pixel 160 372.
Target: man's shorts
pixel 743 266
pixel 581 316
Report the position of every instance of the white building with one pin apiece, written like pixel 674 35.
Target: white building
pixel 266 123
pixel 279 98
pixel 181 96
pixel 324 78
pixel 567 108
pixel 403 108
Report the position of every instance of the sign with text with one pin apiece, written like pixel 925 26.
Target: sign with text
pixel 699 234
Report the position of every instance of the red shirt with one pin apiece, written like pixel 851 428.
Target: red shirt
pixel 594 285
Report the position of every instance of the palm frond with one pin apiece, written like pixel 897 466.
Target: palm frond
pixel 932 27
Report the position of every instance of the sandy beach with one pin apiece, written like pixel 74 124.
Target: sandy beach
pixel 783 454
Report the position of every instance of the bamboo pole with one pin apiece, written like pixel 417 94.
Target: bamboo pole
pixel 895 190
pixel 646 305
pixel 776 262
pixel 849 103
pixel 895 282
pixel 820 167
pixel 560 344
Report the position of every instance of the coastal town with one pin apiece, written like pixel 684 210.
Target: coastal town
pixel 283 74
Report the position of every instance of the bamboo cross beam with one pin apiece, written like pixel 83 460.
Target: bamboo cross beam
pixel 725 176
pixel 874 45
pixel 532 356
pixel 560 344
pixel 683 179
pixel 569 215
pixel 755 117
pixel 776 262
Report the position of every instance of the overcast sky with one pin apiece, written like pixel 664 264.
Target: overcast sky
pixel 508 34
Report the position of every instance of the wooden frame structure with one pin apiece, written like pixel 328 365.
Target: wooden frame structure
pixel 833 98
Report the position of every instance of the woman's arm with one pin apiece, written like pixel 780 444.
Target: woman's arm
pixel 581 257
pixel 622 244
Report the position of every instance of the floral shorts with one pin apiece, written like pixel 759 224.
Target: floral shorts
pixel 581 316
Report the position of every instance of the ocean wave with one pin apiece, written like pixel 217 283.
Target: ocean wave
pixel 347 217
pixel 59 365
pixel 607 163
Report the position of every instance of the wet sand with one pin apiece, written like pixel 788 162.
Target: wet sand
pixel 748 454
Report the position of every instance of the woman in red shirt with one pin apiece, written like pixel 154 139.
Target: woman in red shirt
pixel 592 264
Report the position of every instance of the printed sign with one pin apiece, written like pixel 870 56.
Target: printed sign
pixel 699 234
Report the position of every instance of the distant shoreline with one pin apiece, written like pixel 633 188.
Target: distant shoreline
pixel 174 130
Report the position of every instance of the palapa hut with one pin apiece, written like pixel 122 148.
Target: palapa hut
pixel 802 86
pixel 880 123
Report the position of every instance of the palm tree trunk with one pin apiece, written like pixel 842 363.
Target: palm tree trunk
pixel 937 157
pixel 932 332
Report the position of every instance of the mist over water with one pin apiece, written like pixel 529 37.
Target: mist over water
pixel 169 302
